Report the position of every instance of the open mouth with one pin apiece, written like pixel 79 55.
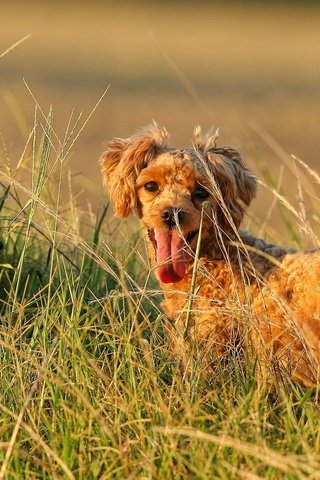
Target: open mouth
pixel 188 238
pixel 191 236
pixel 171 255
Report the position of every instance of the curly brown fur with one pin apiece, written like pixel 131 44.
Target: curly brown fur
pixel 245 287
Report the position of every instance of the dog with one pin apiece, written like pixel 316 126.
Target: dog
pixel 223 287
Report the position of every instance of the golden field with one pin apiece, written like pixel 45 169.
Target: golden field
pixel 89 386
pixel 251 69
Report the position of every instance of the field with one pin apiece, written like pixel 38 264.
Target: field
pixel 88 386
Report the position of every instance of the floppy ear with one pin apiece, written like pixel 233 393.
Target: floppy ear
pixel 236 183
pixel 123 160
pixel 233 184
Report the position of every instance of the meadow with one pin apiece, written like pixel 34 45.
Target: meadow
pixel 88 386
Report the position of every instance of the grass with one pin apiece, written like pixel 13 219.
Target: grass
pixel 88 386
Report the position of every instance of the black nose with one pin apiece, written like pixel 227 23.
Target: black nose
pixel 172 216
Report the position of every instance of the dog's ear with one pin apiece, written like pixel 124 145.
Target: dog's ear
pixel 233 184
pixel 236 185
pixel 124 159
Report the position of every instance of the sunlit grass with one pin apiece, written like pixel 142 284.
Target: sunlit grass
pixel 88 386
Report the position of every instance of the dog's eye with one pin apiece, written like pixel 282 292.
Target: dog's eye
pixel 200 193
pixel 151 187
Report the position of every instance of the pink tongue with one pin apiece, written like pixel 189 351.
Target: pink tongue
pixel 170 255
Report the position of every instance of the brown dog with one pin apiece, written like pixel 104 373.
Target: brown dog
pixel 222 285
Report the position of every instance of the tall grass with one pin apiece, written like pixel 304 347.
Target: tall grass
pixel 88 386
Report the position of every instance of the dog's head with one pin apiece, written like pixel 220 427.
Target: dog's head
pixel 176 192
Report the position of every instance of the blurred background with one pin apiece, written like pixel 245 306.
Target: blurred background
pixel 250 68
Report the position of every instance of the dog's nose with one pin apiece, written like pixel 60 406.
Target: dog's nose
pixel 171 216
